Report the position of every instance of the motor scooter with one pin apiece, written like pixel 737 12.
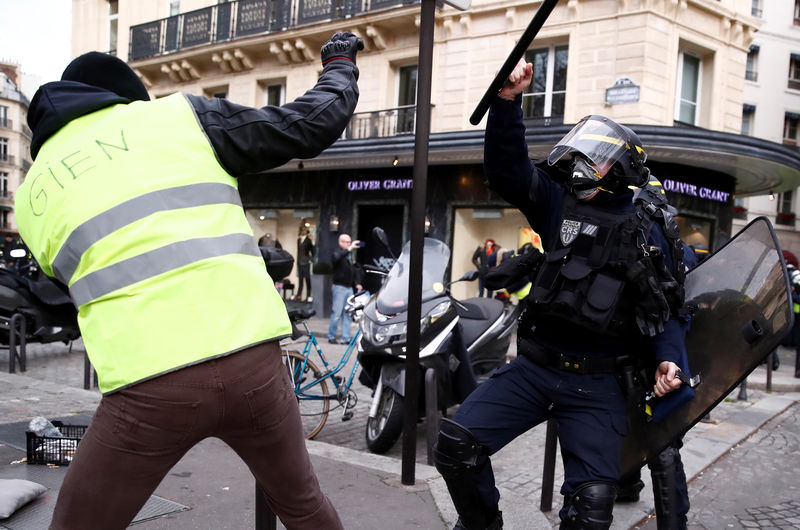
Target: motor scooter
pixel 48 311
pixel 464 341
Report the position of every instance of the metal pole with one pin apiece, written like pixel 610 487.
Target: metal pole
pixel 87 372
pixel 549 466
pixel 742 391
pixel 431 411
pixel 418 199
pixel 17 329
pixel 770 357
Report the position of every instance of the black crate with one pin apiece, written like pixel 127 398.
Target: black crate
pixel 51 450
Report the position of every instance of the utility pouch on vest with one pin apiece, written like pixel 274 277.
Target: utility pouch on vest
pixel 600 300
pixel 549 275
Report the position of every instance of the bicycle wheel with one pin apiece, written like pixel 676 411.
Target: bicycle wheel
pixel 314 401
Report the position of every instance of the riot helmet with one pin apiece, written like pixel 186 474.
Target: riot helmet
pixel 600 153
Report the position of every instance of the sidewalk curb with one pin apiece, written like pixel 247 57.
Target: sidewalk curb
pixel 425 476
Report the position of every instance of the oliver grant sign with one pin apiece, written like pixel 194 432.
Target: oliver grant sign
pixel 685 188
pixel 380 184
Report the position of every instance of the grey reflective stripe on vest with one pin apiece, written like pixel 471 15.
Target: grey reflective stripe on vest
pixel 158 261
pixel 101 225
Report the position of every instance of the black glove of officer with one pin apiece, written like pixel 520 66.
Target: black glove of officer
pixel 341 46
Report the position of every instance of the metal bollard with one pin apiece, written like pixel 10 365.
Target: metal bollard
pixel 549 466
pixel 742 391
pixel 265 519
pixel 89 373
pixel 769 369
pixel 431 411
pixel 17 322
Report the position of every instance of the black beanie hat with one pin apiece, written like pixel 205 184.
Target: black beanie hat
pixel 106 71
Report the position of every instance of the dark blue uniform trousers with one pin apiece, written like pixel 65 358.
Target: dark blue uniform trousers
pixel 590 410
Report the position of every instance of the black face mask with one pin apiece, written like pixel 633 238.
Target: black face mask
pixel 584 177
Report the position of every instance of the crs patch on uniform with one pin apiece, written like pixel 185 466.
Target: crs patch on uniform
pixel 569 231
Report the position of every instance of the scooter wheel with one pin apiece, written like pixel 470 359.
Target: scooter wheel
pixel 385 428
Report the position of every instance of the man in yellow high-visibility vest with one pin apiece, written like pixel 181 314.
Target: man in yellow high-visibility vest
pixel 134 206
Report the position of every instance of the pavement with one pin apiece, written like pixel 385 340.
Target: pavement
pixel 739 462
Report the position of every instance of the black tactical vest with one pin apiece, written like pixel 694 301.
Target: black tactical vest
pixel 587 275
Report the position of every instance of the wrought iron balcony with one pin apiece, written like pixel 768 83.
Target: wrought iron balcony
pixel 242 18
pixel 382 123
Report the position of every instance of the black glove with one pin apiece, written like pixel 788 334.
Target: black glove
pixel 341 46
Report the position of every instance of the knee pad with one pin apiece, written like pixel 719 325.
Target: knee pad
pixel 455 455
pixel 589 507
pixel 455 449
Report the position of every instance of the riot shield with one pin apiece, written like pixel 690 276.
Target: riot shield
pixel 743 310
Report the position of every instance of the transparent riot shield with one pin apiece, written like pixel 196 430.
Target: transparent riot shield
pixel 744 308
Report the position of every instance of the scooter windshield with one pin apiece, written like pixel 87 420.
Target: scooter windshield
pixel 393 296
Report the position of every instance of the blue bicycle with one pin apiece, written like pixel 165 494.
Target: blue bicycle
pixel 316 384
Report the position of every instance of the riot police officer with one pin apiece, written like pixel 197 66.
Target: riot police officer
pixel 608 289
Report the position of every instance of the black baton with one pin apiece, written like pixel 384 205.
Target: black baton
pixel 519 50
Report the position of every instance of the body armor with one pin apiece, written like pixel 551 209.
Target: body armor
pixel 602 274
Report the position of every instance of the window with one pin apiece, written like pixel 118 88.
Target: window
pixel 3 184
pixel 4 149
pixel 748 114
pixel 216 92
pixel 4 219
pixel 790 122
pixel 274 94
pixel 3 116
pixel 688 92
pixel 113 16
pixel 756 9
pixel 751 70
pixel 739 208
pixel 406 98
pixel 797 12
pixel 174 7
pixel 546 93
pixel 785 208
pixel 794 71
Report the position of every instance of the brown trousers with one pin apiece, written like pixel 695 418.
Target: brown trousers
pixel 139 433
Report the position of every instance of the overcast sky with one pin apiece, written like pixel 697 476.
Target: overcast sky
pixel 36 34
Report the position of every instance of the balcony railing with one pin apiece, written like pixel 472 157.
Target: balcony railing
pixel 382 123
pixel 242 18
pixel 6 123
pixel 7 159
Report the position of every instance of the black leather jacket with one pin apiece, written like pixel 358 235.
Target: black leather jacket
pixel 246 140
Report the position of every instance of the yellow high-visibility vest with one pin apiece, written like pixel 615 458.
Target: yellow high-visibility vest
pixel 130 208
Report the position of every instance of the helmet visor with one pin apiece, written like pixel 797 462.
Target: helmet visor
pixel 600 140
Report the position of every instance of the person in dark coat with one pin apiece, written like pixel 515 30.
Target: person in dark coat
pixel 346 277
pixel 305 254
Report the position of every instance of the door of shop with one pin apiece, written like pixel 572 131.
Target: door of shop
pixel 390 218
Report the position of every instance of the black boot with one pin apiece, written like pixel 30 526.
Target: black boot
pixel 495 524
pixel 628 489
pixel 666 470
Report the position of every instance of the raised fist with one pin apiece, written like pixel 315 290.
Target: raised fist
pixel 341 46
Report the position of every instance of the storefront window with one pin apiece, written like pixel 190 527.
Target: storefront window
pixel 472 227
pixel 280 227
pixel 695 232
